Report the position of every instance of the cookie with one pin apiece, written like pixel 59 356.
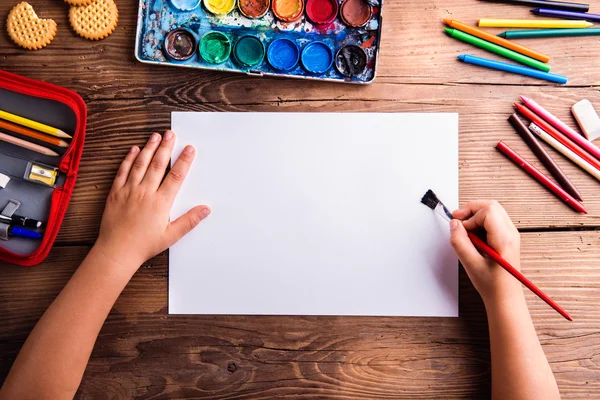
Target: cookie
pixel 79 3
pixel 96 20
pixel 27 30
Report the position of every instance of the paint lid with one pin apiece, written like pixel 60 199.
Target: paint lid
pixel 351 60
pixel 288 10
pixel 219 7
pixel 215 47
pixel 321 12
pixel 180 45
pixel 254 8
pixel 317 57
pixel 283 54
pixel 185 5
pixel 249 51
pixel 356 13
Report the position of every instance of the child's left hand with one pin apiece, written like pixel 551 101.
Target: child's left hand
pixel 135 225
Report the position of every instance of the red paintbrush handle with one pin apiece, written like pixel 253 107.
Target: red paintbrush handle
pixel 483 247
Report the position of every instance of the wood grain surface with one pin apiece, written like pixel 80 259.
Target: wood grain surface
pixel 145 353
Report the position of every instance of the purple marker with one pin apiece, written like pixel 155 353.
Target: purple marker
pixel 547 12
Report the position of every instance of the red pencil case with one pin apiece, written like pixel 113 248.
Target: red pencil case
pixel 41 185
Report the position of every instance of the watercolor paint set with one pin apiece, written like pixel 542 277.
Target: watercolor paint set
pixel 333 40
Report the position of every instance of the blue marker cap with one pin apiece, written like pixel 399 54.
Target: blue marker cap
pixel 17 231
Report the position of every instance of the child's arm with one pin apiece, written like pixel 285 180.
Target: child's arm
pixel 520 370
pixel 135 227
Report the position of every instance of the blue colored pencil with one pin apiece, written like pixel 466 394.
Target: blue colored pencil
pixel 515 69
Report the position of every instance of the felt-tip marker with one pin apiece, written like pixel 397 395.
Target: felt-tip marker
pixel 17 231
pixel 21 221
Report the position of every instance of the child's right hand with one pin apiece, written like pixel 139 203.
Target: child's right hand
pixel 490 279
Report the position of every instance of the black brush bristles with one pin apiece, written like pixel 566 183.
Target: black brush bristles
pixel 431 200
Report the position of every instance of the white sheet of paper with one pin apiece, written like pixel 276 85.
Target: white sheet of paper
pixel 316 214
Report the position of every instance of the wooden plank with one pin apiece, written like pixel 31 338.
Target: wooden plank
pixel 114 126
pixel 144 352
pixel 414 50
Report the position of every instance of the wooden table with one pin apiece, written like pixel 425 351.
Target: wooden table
pixel 145 353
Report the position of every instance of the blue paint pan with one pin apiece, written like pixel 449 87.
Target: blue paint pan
pixel 317 57
pixel 283 54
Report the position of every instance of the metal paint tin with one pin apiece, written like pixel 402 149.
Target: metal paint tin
pixel 321 12
pixel 317 57
pixel 283 54
pixel 180 45
pixel 351 60
pixel 356 13
pixel 254 8
pixel 288 10
pixel 215 47
pixel 249 51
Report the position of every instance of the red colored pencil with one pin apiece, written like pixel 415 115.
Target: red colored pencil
pixel 539 121
pixel 540 177
pixel 561 126
pixel 483 247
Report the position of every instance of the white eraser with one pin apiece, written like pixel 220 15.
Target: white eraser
pixel 4 180
pixel 587 118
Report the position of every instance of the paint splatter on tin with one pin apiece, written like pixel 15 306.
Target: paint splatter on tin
pixel 317 57
pixel 249 51
pixel 351 60
pixel 219 7
pixel 254 8
pixel 215 47
pixel 185 5
pixel 356 13
pixel 321 12
pixel 283 54
pixel 180 45
pixel 288 10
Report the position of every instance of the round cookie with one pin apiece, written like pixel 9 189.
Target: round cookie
pixel 96 20
pixel 27 30
pixel 79 3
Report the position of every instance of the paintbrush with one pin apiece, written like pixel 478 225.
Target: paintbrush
pixel 431 200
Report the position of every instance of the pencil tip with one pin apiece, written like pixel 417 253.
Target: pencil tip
pixel 524 99
pixel 64 135
pixel 535 11
pixel 449 31
pixel 502 35
pixel 447 20
pixel 462 57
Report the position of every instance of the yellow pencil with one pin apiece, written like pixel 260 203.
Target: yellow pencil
pixel 33 125
pixel 533 23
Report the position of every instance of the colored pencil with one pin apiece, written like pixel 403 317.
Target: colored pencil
pixel 548 12
pixel 497 40
pixel 515 69
pixel 27 145
pixel 546 33
pixel 558 146
pixel 494 48
pixel 543 156
pixel 33 134
pixel 539 121
pixel 540 177
pixel 431 200
pixel 532 23
pixel 33 125
pixel 561 126
pixel 558 5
